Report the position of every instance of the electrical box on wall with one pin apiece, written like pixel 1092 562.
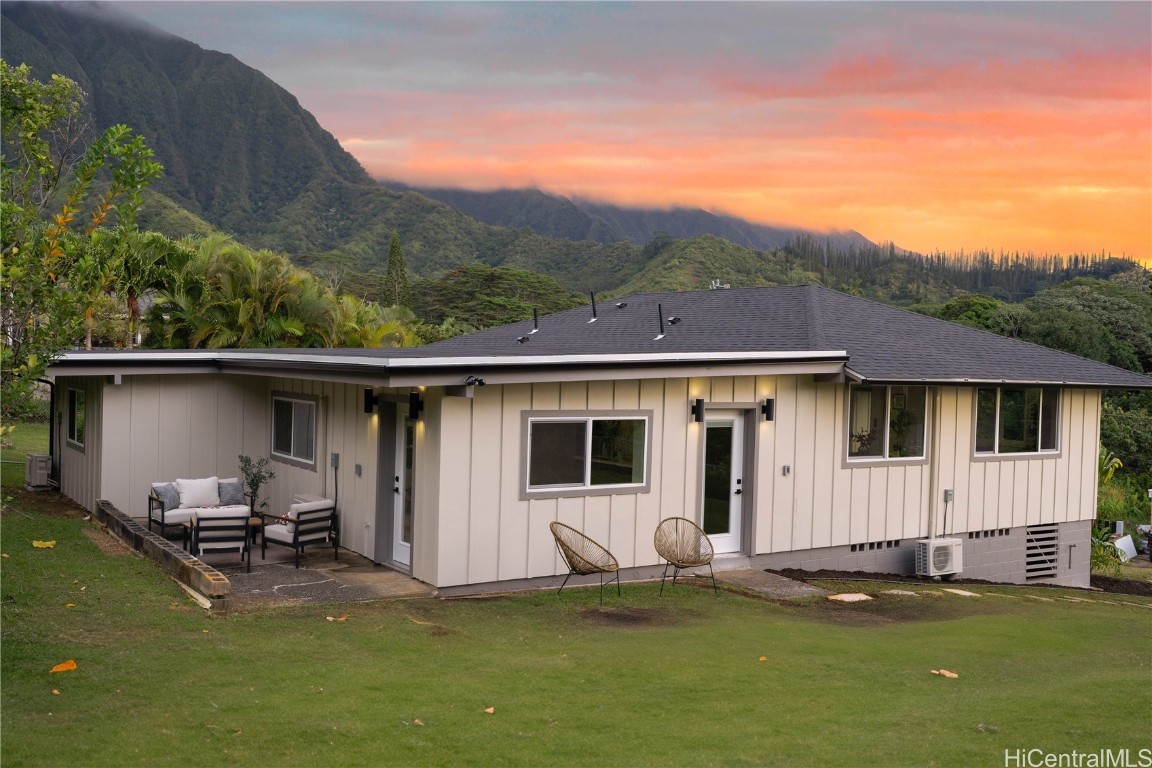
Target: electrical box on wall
pixel 948 494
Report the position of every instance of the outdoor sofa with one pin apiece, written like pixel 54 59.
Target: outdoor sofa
pixel 185 500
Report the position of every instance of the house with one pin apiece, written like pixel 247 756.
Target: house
pixel 802 427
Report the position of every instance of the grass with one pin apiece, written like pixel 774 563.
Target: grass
pixel 676 680
pixel 25 439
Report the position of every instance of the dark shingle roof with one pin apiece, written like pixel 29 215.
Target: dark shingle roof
pixel 883 343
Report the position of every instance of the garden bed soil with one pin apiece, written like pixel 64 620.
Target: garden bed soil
pixel 1103 583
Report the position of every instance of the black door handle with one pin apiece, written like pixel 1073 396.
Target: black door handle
pixel 738 491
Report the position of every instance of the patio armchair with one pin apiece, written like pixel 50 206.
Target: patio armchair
pixel 222 532
pixel 684 545
pixel 584 556
pixel 307 523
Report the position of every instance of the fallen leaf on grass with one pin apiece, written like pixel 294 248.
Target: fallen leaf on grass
pixel 491 710
pixel 4 554
pixel 55 692
pixel 64 666
pixel 417 721
pixel 945 673
pixel 763 658
pixel 44 544
pixel 70 605
pixel 341 617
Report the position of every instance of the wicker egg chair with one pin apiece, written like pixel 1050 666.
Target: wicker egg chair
pixel 584 556
pixel 684 545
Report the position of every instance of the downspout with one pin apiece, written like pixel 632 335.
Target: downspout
pixel 934 462
pixel 51 427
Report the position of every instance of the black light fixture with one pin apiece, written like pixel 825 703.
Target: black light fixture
pixel 474 381
pixel 698 410
pixel 769 409
pixel 369 401
pixel 415 405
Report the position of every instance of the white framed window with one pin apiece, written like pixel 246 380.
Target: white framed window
pixel 887 422
pixel 1011 420
pixel 77 415
pixel 585 454
pixel 294 429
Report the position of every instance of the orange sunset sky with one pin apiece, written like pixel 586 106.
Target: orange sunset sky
pixel 1022 126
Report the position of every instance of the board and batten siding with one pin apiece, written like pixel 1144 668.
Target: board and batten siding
pixel 488 533
pixel 79 468
pixel 151 429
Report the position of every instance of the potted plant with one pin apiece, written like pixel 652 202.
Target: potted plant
pixel 256 473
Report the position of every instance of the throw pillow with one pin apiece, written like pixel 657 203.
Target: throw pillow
pixel 232 492
pixel 167 494
pixel 199 493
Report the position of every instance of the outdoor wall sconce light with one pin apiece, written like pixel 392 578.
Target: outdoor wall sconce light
pixel 474 381
pixel 769 409
pixel 698 410
pixel 415 405
pixel 369 401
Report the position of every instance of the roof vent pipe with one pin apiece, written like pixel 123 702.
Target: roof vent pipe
pixel 535 322
pixel 660 320
pixel 593 295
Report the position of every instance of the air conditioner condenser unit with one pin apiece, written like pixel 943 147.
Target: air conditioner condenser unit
pixel 939 557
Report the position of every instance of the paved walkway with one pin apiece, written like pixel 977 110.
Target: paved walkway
pixel 319 579
pixel 768 584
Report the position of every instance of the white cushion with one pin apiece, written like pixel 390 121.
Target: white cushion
pixel 278 532
pixel 235 510
pixel 199 493
pixel 305 506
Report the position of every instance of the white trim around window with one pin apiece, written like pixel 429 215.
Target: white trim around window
pixel 294 429
pixel 585 453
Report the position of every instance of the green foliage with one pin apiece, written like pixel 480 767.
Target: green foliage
pixel 257 473
pixel 58 255
pixel 222 294
pixel 1105 557
pixel 397 291
pixel 692 264
pixel 484 297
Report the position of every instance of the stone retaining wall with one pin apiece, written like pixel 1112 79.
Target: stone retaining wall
pixel 173 560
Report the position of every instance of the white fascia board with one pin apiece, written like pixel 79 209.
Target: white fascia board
pixel 963 382
pixel 574 373
pixel 240 357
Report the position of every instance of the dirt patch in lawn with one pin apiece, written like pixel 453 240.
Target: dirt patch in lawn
pixel 50 503
pixel 926 605
pixel 108 544
pixel 1104 583
pixel 1123 586
pixel 629 617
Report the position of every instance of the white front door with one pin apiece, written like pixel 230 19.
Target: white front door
pixel 404 488
pixel 722 494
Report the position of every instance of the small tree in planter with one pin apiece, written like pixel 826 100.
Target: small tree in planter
pixel 256 473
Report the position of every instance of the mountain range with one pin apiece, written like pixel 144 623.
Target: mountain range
pixel 241 155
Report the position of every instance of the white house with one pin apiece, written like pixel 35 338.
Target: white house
pixel 802 427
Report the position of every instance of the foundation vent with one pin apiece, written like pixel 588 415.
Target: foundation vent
pixel 1041 545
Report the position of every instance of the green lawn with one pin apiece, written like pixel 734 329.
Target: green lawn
pixel 655 681
pixel 25 439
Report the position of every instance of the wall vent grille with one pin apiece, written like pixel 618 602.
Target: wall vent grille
pixel 1041 548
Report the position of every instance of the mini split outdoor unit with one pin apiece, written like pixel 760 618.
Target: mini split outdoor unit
pixel 939 557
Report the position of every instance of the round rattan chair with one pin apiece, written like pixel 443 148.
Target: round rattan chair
pixel 584 556
pixel 684 545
